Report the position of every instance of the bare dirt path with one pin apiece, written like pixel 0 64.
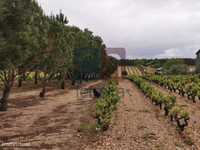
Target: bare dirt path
pixel 193 130
pixel 53 122
pixel 138 125
pixel 48 123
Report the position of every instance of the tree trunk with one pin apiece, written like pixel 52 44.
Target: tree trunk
pixel 4 99
pixel 193 99
pixel 160 106
pixel 60 76
pixel 62 84
pixel 24 76
pixel 36 78
pixel 43 92
pixel 181 126
pixel 8 83
pixel 73 82
pixel 20 81
pixel 171 118
pixel 166 111
pixel 20 76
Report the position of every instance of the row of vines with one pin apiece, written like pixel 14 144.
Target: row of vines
pixel 133 71
pixel 164 101
pixel 106 104
pixel 184 85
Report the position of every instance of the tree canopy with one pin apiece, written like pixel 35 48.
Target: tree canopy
pixel 31 41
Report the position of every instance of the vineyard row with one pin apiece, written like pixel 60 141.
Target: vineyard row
pixel 164 101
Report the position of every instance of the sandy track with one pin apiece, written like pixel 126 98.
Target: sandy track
pixel 138 125
pixel 49 123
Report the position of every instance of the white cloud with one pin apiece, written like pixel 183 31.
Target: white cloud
pixel 184 52
pixel 146 28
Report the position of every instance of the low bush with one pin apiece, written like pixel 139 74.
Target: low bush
pixel 181 117
pixel 106 105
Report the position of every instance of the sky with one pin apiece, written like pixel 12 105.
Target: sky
pixel 146 28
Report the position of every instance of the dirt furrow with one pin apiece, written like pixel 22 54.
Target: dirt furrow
pixel 193 130
pixel 138 125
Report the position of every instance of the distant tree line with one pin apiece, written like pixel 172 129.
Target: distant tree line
pixel 156 63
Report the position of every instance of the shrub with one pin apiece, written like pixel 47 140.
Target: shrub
pixel 106 105
pixel 181 117
pixel 169 103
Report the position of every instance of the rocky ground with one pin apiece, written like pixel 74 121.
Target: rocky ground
pixel 62 121
pixel 138 125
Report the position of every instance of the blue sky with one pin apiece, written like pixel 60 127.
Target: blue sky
pixel 146 28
